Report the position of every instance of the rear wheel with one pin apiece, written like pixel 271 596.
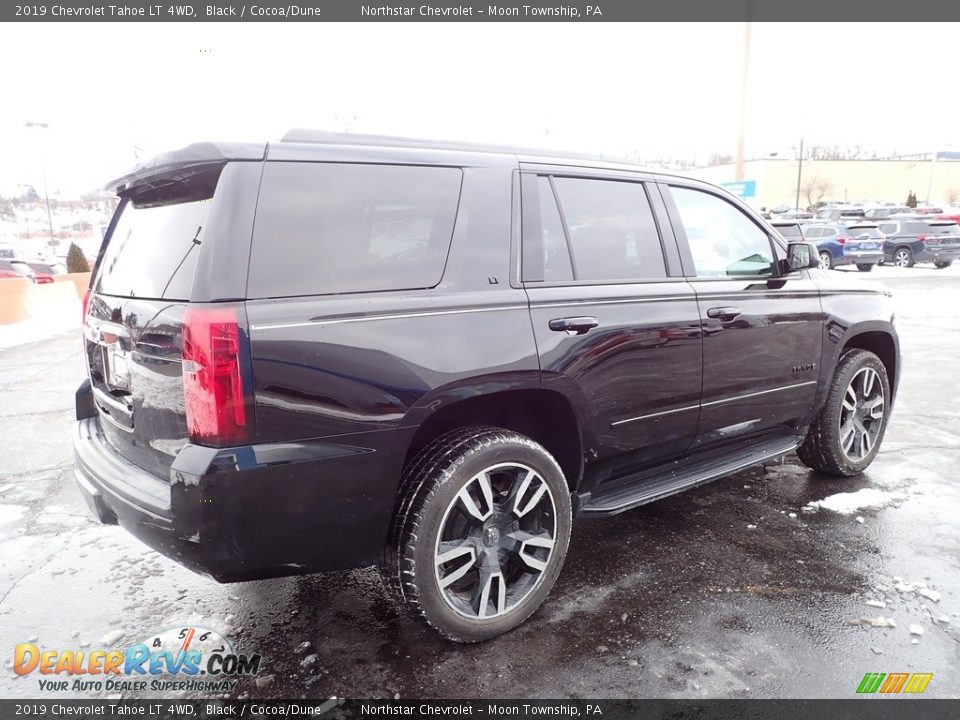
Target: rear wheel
pixel 864 267
pixel 903 257
pixel 846 437
pixel 943 263
pixel 826 260
pixel 481 535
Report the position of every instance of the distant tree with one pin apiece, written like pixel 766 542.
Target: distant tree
pixel 815 188
pixel 953 195
pixel 911 200
pixel 6 209
pixel 76 262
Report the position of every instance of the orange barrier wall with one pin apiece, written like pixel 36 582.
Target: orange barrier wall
pixel 21 299
pixel 80 280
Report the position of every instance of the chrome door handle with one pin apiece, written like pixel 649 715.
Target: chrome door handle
pixel 573 325
pixel 723 313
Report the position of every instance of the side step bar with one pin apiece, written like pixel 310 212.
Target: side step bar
pixel 648 487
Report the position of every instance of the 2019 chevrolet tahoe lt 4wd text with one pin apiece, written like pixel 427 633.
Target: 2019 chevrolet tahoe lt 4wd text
pixel 339 351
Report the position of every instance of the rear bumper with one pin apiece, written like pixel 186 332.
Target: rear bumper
pixel 250 512
pixel 864 258
pixel 942 255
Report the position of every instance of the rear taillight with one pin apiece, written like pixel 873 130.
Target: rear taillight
pixel 922 238
pixel 212 378
pixel 843 240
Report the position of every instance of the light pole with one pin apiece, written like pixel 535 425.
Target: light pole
pixel 46 195
pixel 799 175
pixel 738 168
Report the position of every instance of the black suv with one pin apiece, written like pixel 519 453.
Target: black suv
pixel 911 241
pixel 337 351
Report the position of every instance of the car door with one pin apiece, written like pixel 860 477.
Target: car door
pixel 762 329
pixel 616 324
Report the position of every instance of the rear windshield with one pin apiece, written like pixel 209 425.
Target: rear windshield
pixel 868 231
pixel 789 231
pixel 945 229
pixel 152 251
pixel 326 228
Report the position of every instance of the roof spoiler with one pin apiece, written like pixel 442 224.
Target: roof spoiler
pixel 196 154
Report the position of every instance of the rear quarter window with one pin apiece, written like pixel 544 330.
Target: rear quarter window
pixel 331 228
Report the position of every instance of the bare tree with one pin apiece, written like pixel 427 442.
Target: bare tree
pixel 953 195
pixel 814 188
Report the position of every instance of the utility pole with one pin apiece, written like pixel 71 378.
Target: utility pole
pixel 933 164
pixel 46 194
pixel 799 175
pixel 738 168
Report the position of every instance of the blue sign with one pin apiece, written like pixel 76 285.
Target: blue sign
pixel 742 188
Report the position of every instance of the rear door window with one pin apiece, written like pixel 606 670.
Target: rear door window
pixel 330 228
pixel 612 232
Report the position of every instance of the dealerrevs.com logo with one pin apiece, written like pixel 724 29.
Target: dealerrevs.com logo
pixel 174 660
pixel 894 683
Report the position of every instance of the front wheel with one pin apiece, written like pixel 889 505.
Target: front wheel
pixel 481 534
pixel 864 267
pixel 826 260
pixel 941 264
pixel 846 436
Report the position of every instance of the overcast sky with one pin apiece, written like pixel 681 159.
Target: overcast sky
pixel 620 89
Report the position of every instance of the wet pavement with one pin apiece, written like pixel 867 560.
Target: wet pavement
pixel 729 590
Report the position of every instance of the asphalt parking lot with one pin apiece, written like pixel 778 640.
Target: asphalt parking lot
pixel 736 589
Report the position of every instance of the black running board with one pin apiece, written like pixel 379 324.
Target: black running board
pixel 650 487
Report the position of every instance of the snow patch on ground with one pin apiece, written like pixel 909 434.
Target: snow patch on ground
pixel 29 331
pixel 849 503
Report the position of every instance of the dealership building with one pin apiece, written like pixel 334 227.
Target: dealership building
pixel 773 181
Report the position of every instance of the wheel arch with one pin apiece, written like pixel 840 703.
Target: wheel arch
pixel 883 343
pixel 545 416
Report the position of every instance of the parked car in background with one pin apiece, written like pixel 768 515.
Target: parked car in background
pixel 7 271
pixel 801 215
pixel 859 244
pixel 789 230
pixel 911 241
pixel 839 214
pixel 882 213
pixel 23 268
pixel 44 268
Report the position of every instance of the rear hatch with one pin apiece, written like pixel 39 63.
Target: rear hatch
pixel 863 239
pixel 134 325
pixel 943 235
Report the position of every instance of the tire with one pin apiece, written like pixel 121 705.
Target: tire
pixel 500 567
pixel 824 448
pixel 864 267
pixel 826 260
pixel 903 257
pixel 941 264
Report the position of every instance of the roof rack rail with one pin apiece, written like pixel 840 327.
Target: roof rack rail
pixel 306 135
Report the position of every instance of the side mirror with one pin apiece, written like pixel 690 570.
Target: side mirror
pixel 802 255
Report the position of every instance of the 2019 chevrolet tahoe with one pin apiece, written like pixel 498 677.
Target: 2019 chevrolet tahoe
pixel 337 351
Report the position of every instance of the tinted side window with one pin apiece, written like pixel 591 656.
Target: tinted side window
pixel 723 240
pixel 613 235
pixel 888 228
pixel 325 228
pixel 813 233
pixel 556 255
pixel 916 228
